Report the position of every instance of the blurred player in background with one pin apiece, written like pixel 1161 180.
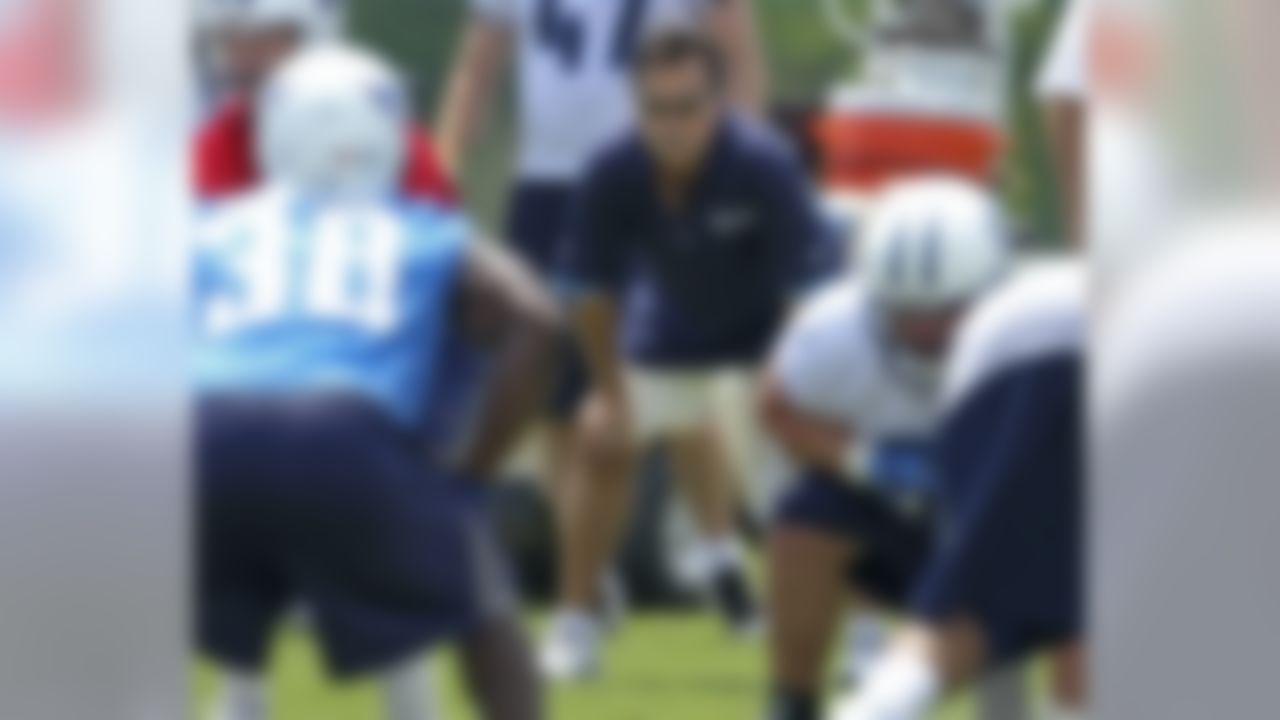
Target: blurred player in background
pixel 571 59
pixel 692 238
pixel 930 96
pixel 1063 90
pixel 322 301
pixel 851 395
pixel 241 42
pixel 1004 579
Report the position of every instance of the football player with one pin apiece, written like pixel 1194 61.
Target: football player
pixel 851 395
pixel 242 42
pixel 1004 578
pixel 322 301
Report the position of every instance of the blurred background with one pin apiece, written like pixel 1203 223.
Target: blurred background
pixel 806 57
pixel 666 663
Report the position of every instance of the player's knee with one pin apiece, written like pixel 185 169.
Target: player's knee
pixel 605 456
pixel 799 546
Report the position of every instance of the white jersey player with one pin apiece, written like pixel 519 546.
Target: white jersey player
pixel 1005 578
pixel 852 395
pixel 571 68
pixel 572 61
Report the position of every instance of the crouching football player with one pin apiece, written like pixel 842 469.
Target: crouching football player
pixel 851 395
pixel 1004 579
pixel 321 304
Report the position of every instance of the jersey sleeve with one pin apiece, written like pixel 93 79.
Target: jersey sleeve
pixel 812 361
pixel 503 12
pixel 424 176
pixel 596 252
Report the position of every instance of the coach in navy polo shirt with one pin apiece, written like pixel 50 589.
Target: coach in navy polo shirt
pixel 703 225
pixel 692 236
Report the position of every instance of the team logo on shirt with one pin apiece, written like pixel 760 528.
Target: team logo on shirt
pixel 730 222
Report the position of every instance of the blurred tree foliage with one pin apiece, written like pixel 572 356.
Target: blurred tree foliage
pixel 805 58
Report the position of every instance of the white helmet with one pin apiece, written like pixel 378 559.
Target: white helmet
pixel 933 242
pixel 315 19
pixel 332 122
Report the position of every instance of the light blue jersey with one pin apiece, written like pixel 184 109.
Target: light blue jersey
pixel 294 298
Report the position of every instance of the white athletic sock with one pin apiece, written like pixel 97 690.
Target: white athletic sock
pixel 868 631
pixel 575 622
pixel 866 636
pixel 1002 695
pixel 407 691
pixel 242 696
pixel 902 686
pixel 720 554
pixel 612 606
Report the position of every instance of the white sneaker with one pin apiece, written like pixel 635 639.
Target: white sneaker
pixel 865 637
pixel 848 706
pixel 571 648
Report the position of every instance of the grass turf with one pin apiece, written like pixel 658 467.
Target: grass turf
pixel 660 667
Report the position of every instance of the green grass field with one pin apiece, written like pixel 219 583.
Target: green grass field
pixel 660 667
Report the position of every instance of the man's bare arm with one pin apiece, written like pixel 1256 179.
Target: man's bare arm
pixel 503 309
pixel 473 81
pixel 596 323
pixel 733 24
pixel 1065 118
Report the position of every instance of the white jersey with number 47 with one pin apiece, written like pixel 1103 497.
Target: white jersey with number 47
pixel 574 93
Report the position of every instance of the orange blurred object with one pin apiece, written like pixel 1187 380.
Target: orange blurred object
pixel 862 149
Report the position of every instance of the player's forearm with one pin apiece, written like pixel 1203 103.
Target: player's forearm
pixel 518 379
pixel 596 324
pixel 809 441
pixel 469 91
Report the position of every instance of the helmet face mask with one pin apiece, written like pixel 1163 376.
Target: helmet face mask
pixel 924 333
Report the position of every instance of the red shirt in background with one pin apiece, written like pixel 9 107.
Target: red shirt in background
pixel 225 163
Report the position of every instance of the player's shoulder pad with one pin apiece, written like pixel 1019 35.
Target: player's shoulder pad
pixel 836 320
pixel 835 302
pixel 1040 313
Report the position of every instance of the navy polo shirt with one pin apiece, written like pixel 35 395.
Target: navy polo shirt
pixel 709 282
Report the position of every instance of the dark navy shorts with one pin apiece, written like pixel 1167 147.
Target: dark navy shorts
pixel 1009 547
pixel 537 224
pixel 322 503
pixel 893 543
